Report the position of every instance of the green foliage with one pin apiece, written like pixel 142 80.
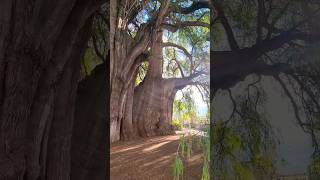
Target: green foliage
pixel 227 138
pixel 264 162
pixel 243 172
pixel 184 110
pixel 97 49
pixel 177 124
pixel 89 62
pixel 142 72
pixel 314 169
pixel 205 144
pixel 183 146
pixel 194 39
pixel 177 168
pixel 242 14
pixel 184 149
pixel 205 171
pixel 249 134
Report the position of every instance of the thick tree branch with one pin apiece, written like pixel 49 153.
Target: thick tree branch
pixel 260 20
pixel 180 83
pixel 226 25
pixel 179 66
pixel 231 67
pixel 284 37
pixel 137 50
pixel 179 25
pixel 196 5
pixel 185 51
pixel 162 12
pixel 141 58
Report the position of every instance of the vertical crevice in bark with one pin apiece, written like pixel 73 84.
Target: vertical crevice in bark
pixel 38 77
pixel 127 126
pixel 59 142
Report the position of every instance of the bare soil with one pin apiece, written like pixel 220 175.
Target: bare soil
pixel 151 159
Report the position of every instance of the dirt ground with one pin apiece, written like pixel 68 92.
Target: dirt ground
pixel 151 159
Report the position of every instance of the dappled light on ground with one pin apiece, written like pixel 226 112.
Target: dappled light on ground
pixel 151 159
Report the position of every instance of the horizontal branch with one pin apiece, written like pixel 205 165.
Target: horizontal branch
pixel 185 51
pixel 179 25
pixel 180 83
pixel 196 5
pixel 284 37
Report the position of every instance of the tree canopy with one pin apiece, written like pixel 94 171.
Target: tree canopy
pixel 253 40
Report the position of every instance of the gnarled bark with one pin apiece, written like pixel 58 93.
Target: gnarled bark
pixel 145 110
pixel 90 139
pixel 42 44
pixel 124 61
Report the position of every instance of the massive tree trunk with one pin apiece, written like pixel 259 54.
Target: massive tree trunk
pixel 126 53
pixel 41 44
pixel 89 138
pixel 150 97
pixel 145 110
pixel 121 87
pixel 153 102
pixel 153 98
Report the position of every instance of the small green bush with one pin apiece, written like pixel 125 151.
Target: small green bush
pixel 177 124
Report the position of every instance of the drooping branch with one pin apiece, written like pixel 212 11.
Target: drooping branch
pixel 234 109
pixel 293 102
pixel 306 90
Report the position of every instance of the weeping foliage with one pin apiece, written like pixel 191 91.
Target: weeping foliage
pixel 253 23
pixel 98 44
pixel 205 145
pixel 177 168
pixel 314 169
pixel 245 142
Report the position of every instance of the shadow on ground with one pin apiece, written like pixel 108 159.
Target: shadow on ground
pixel 151 159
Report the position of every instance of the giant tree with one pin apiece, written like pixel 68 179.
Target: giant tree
pixel 137 38
pixel 42 44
